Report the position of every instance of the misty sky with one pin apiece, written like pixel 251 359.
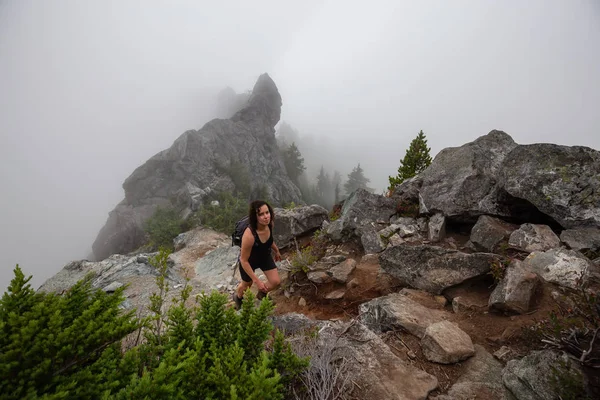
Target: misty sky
pixel 89 90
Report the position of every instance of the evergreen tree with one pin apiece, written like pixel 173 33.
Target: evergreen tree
pixel 324 189
pixel 356 180
pixel 415 160
pixel 294 163
pixel 336 181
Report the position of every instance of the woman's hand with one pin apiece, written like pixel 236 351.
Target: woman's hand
pixel 261 286
pixel 277 255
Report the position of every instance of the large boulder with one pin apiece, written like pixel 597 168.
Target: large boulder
pixel 298 221
pixel 461 181
pixel 361 211
pixel 221 155
pixel 582 239
pixel 432 268
pixel 531 378
pixel 490 233
pixel 560 181
pixel 515 292
pixel 398 311
pixel 373 371
pixel 533 237
pixel 563 267
pixel 445 343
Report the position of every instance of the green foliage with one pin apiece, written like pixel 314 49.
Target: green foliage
pixel 164 225
pixel 63 346
pixel 567 382
pixel 406 209
pixel 415 160
pixel 356 180
pixel 69 346
pixel 498 269
pixel 302 259
pixel 294 163
pixel 222 217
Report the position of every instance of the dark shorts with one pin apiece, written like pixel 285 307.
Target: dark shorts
pixel 269 265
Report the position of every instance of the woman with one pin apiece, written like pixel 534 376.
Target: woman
pixel 257 243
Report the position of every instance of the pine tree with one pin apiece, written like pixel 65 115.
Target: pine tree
pixel 324 189
pixel 356 180
pixel 415 160
pixel 294 163
pixel 336 181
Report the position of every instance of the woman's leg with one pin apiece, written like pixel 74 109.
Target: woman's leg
pixel 242 287
pixel 273 278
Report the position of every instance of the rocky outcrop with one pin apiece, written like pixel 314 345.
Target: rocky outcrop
pixel 241 150
pixel 461 181
pixel 582 239
pixel 433 268
pixel 445 343
pixel 538 183
pixel 295 222
pixel 361 211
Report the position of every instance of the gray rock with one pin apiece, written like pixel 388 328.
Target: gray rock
pixel 581 239
pixel 395 240
pixel 111 287
pixel 505 354
pixel 445 343
pixel 372 242
pixel 530 378
pixel 388 231
pixel 198 159
pixel 489 233
pixel 482 379
pixel 460 304
pixel 461 181
pixel 293 323
pixel 296 222
pixel 342 271
pixel 561 182
pixel 397 311
pixel 564 267
pixel 319 277
pixel 336 294
pixel 373 369
pixel 533 237
pixel 216 267
pixel 433 268
pixel 437 227
pixel 515 292
pixel 360 210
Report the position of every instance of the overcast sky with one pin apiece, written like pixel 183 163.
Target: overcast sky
pixel 89 90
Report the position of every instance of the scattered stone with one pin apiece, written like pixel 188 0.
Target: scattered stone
pixel 369 258
pixel 437 227
pixel 372 242
pixel 319 277
pixel 564 267
pixel 397 311
pixel 353 283
pixel 336 294
pixel 445 343
pixel 302 302
pixel 386 232
pixel 342 271
pixel 489 233
pixel 533 237
pixel 515 292
pixel 395 240
pixel 505 354
pixel 441 300
pixel 461 304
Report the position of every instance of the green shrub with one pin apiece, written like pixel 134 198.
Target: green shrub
pixel 222 217
pixel 164 225
pixel 63 347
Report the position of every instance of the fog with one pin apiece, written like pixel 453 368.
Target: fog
pixel 89 90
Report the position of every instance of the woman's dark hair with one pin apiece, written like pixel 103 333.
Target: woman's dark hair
pixel 253 211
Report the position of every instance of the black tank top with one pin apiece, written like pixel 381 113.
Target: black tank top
pixel 261 252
